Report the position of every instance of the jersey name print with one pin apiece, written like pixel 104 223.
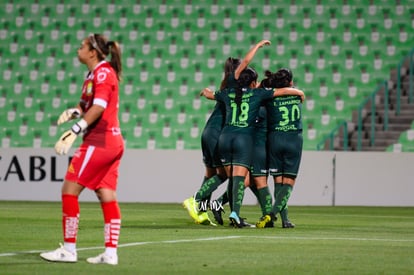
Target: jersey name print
pixel 286 114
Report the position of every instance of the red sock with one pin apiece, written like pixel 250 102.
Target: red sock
pixel 70 217
pixel 112 217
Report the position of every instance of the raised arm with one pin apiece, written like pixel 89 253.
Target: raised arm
pixel 249 56
pixel 207 93
pixel 289 91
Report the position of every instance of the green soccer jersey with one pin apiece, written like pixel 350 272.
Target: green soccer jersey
pixel 259 158
pixel 284 114
pixel 242 118
pixel 216 118
pixel 260 125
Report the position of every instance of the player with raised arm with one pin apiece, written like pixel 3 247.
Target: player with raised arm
pixel 236 140
pixel 214 172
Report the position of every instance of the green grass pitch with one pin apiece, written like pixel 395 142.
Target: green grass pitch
pixel 162 239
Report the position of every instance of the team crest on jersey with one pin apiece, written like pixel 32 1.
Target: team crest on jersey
pixel 89 88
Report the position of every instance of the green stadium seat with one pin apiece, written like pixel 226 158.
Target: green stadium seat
pixel 11 111
pixel 327 118
pixel 161 43
pixel 312 134
pixel 133 142
pixel 6 137
pixel 3 98
pixel 190 141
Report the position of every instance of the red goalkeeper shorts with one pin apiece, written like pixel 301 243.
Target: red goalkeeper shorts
pixel 95 167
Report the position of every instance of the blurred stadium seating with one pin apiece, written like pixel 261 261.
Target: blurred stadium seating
pixel 173 49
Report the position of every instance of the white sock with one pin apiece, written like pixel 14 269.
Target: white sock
pixel 110 251
pixel 71 247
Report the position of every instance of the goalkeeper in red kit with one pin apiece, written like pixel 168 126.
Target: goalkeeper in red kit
pixel 95 163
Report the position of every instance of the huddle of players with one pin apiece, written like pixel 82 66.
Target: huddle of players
pixel 254 131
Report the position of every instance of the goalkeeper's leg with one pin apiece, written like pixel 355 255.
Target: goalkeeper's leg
pixel 70 220
pixel 112 228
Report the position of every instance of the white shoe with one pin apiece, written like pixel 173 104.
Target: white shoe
pixel 103 259
pixel 60 255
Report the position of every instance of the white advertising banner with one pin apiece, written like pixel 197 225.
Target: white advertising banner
pixel 325 178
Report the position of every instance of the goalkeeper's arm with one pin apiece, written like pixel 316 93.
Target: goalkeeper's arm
pixel 93 114
pixel 65 142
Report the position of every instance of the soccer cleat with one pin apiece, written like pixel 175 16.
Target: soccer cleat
pixel 60 255
pixel 287 224
pixel 266 219
pixel 235 220
pixel 270 224
pixel 217 215
pixel 243 223
pixel 103 259
pixel 204 219
pixel 191 206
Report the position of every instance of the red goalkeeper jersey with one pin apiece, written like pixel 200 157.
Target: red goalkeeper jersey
pixel 101 88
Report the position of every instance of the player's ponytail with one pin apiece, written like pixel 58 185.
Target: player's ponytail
pixel 115 61
pixel 230 66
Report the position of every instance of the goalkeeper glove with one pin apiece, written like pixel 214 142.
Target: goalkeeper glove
pixel 68 114
pixel 66 141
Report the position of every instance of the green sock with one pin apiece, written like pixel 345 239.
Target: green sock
pixel 229 194
pixel 265 200
pixel 202 184
pixel 284 214
pixel 238 193
pixel 282 198
pixel 208 187
pixel 278 186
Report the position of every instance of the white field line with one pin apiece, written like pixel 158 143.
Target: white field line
pixel 332 239
pixel 127 244
pixel 9 254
